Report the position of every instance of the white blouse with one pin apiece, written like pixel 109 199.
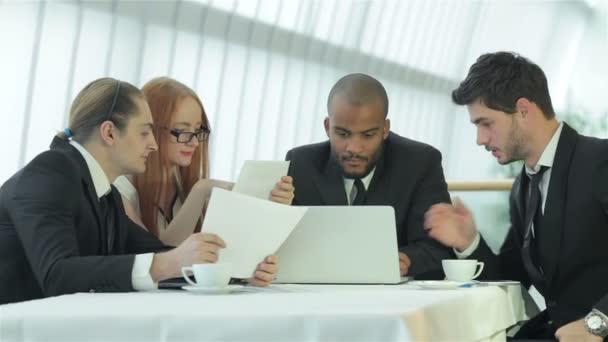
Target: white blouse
pixel 128 191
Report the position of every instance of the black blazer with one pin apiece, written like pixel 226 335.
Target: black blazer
pixel 573 231
pixel 408 177
pixel 52 240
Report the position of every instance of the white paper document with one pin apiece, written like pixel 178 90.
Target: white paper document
pixel 252 228
pixel 258 177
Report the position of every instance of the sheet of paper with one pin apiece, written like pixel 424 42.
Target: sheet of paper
pixel 258 177
pixel 252 228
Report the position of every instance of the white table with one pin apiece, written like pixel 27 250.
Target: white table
pixel 280 313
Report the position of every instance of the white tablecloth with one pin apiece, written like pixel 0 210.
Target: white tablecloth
pixel 279 313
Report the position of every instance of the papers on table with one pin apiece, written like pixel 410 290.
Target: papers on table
pixel 258 177
pixel 252 228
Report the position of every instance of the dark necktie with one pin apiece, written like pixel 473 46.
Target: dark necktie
pixel 106 203
pixel 532 221
pixel 360 196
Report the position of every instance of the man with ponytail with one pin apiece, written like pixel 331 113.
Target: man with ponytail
pixel 63 228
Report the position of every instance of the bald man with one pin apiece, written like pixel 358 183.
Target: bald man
pixel 364 163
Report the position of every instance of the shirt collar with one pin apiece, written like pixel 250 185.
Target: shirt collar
pixel 548 155
pixel 100 180
pixel 366 180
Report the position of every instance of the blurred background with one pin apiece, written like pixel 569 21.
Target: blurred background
pixel 264 68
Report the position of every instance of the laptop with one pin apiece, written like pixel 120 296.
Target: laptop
pixel 342 245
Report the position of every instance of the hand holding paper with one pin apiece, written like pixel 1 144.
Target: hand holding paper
pixel 252 228
pixel 258 177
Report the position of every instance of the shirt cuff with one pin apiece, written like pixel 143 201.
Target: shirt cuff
pixel 469 250
pixel 140 276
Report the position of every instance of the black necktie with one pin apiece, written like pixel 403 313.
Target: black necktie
pixel 108 222
pixel 532 218
pixel 360 196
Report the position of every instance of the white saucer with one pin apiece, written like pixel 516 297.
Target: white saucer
pixel 212 290
pixel 442 284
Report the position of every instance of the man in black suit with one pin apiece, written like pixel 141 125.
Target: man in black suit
pixel 558 203
pixel 363 163
pixel 63 228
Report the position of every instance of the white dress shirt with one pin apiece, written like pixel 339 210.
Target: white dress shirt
pixel 349 182
pixel 129 192
pixel 140 275
pixel 546 159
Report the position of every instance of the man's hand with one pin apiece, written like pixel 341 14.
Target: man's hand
pixel 576 332
pixel 283 191
pixel 199 248
pixel 452 225
pixel 266 271
pixel 404 264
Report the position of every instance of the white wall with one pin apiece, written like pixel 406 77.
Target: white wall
pixel 263 68
pixel 263 85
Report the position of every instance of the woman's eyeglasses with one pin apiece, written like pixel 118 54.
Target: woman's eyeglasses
pixel 185 137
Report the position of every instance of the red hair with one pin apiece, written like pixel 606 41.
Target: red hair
pixel 163 95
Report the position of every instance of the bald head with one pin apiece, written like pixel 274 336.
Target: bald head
pixel 359 90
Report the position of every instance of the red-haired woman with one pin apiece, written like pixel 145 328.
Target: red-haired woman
pixel 169 199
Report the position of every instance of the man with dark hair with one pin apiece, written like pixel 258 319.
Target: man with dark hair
pixel 363 163
pixel 558 203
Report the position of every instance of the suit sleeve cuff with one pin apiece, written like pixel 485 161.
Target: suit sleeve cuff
pixel 140 276
pixel 472 247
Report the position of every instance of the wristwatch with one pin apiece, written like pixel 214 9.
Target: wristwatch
pixel 596 323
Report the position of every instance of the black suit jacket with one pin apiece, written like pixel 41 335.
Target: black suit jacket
pixel 408 177
pixel 572 233
pixel 52 238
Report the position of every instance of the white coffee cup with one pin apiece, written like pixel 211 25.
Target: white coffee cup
pixel 208 275
pixel 461 270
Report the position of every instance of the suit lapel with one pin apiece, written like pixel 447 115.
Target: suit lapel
pixel 330 184
pixel 113 231
pixel 380 183
pixel 553 218
pixel 519 194
pixel 93 200
pixel 88 186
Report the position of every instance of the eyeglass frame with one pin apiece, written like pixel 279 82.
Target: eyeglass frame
pixel 203 132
